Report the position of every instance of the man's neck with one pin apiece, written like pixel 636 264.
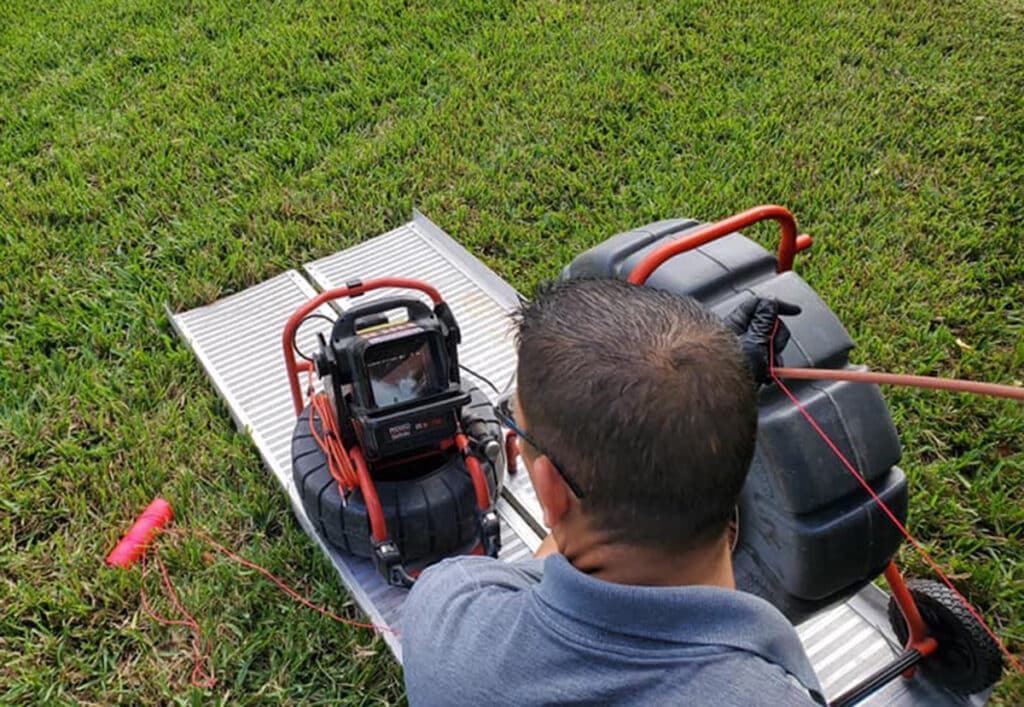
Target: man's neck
pixel 624 563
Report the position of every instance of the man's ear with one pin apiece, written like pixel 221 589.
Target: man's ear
pixel 554 494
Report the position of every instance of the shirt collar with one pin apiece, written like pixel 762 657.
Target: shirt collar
pixel 690 614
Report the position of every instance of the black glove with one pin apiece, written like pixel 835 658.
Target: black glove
pixel 753 321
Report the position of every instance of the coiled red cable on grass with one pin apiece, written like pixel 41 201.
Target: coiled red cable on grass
pixel 202 676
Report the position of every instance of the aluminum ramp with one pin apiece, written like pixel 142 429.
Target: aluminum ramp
pixel 238 342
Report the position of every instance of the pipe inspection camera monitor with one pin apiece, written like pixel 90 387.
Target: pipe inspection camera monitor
pixel 394 385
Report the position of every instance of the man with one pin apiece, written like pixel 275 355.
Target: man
pixel 637 413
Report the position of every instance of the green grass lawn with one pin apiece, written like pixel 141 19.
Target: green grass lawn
pixel 158 152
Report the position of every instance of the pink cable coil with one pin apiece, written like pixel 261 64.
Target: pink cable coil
pixel 127 552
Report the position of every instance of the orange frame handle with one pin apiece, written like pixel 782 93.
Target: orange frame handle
pixel 295 320
pixel 790 245
pixel 483 494
pixel 917 630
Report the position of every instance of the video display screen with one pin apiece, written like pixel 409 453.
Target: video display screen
pixel 401 371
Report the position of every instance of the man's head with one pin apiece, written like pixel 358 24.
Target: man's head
pixel 642 398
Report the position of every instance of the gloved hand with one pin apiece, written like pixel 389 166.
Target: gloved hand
pixel 753 321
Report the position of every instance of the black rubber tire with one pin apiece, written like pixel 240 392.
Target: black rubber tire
pixel 428 517
pixel 967 659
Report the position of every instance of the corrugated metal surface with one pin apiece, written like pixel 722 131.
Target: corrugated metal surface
pixel 843 646
pixel 237 339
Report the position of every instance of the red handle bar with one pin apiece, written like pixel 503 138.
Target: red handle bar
pixel 296 319
pixel 791 242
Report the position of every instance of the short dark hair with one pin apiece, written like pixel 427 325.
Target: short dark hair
pixel 643 397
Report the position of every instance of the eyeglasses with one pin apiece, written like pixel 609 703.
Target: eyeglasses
pixel 506 415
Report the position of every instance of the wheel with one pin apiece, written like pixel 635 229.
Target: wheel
pixel 967 659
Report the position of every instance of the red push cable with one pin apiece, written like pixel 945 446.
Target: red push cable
pixel 378 526
pixel 476 473
pixel 348 467
pixel 201 677
pixel 338 461
pixel 953 384
pixel 892 516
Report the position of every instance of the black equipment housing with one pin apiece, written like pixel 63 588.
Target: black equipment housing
pixel 363 341
pixel 809 534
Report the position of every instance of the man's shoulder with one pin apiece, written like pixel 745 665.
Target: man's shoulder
pixel 472 572
pixel 495 616
pixel 458 580
pixel 484 569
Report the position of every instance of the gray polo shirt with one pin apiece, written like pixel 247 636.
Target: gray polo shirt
pixel 478 631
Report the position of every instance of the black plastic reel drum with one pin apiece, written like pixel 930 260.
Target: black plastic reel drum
pixel 429 504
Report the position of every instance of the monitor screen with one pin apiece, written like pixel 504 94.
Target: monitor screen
pixel 401 370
